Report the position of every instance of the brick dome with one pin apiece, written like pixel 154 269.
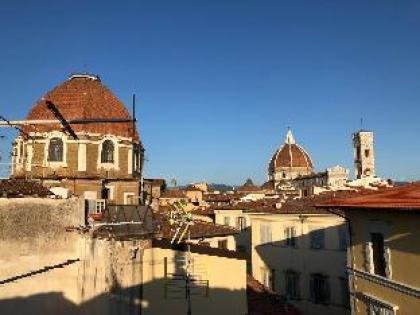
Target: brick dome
pixel 290 155
pixel 83 97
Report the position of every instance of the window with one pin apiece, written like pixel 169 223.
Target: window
pixel 222 244
pixel 320 289
pixel 107 153
pixel 367 152
pixel 240 223
pixel 21 153
pixel 129 198
pixel 267 277
pixel 55 150
pixel 292 284
pixel 317 239
pixel 345 293
pixel 290 236
pixel 265 233
pixel 378 254
pixel 226 220
pixel 342 237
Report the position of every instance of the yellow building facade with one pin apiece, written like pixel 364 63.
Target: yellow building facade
pixel 303 257
pixel 385 251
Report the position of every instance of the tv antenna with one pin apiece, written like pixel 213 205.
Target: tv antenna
pixel 178 282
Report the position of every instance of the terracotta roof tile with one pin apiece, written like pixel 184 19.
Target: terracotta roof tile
pixel 200 229
pixel 291 155
pixel 263 301
pixel 83 98
pixel 221 197
pixel 173 193
pixel 22 188
pixel 402 198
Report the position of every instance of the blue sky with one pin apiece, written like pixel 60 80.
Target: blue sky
pixel 218 82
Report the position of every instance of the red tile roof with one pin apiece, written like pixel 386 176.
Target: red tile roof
pixel 83 97
pixel 200 229
pixel 306 205
pixel 22 188
pixel 402 198
pixel 156 181
pixel 291 155
pixel 221 197
pixel 192 188
pixel 173 193
pixel 268 185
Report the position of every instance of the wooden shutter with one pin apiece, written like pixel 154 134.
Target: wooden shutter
pixel 286 236
pixel 312 288
pixel 387 256
pixel 368 257
pixel 293 236
pixel 327 289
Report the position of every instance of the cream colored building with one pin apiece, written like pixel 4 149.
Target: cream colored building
pixel 333 178
pixel 300 252
pixel 385 250
pixel 48 267
pixel 239 219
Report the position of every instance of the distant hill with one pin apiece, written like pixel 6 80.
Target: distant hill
pixel 221 187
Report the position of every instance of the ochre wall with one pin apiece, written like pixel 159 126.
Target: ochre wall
pixel 330 261
pixel 402 236
pixel 98 276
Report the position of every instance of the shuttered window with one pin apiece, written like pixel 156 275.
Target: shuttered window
pixel 290 236
pixel 226 220
pixel 292 284
pixel 320 289
pixel 342 237
pixel 240 223
pixel 265 233
pixel 317 239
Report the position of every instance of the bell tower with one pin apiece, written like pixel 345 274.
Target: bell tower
pixel 364 157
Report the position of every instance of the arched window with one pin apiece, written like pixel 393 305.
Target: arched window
pixel 55 150
pixel 107 153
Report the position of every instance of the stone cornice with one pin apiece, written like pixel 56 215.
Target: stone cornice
pixel 392 284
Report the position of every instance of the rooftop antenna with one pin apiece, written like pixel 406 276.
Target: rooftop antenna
pixel 134 115
pixel 361 123
pixel 182 220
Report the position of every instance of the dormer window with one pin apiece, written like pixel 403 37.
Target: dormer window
pixel 107 153
pixel 55 150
